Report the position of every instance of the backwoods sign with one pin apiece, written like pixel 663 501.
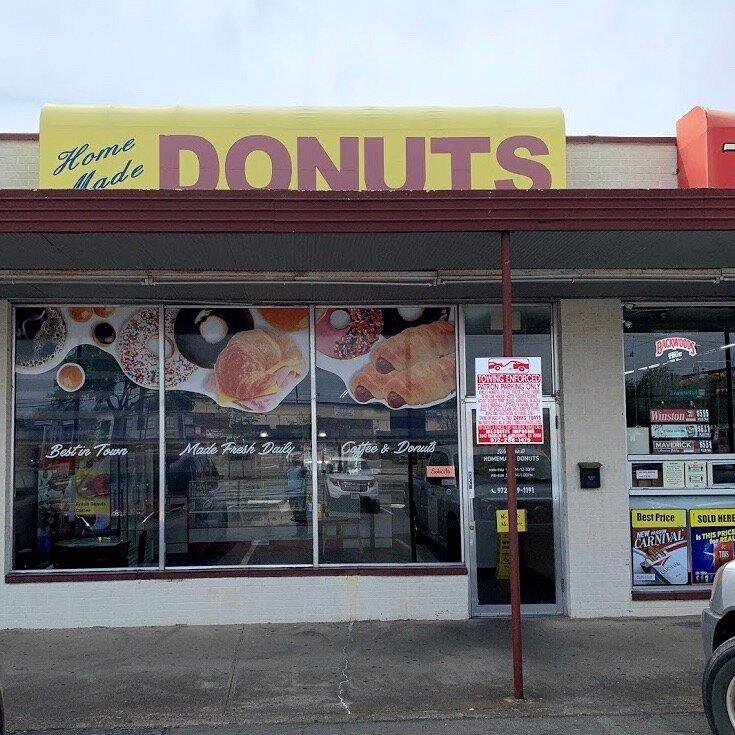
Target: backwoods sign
pixel 307 149
pixel 669 344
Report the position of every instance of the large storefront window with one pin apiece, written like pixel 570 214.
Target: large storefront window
pixel 240 484
pixel 388 464
pixel 238 437
pixel 86 442
pixel 679 396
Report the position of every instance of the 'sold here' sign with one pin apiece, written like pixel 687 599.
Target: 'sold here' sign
pixel 509 409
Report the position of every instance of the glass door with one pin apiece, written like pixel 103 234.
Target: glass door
pixel 489 551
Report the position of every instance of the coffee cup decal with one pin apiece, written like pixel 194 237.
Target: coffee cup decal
pixel 70 377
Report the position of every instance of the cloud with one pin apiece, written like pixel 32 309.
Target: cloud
pixel 615 67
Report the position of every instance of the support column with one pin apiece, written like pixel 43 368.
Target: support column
pixel 597 531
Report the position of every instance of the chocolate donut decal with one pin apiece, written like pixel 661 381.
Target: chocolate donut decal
pixel 202 334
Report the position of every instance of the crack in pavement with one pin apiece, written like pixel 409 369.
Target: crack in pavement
pixel 233 669
pixel 345 681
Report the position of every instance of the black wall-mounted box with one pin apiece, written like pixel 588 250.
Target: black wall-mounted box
pixel 589 475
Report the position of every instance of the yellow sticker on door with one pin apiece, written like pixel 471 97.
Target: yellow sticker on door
pixel 501 517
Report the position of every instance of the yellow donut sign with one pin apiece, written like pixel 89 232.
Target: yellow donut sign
pixel 305 149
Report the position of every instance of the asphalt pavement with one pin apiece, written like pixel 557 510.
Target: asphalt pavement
pixel 598 676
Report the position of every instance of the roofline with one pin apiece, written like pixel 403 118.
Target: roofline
pixel 648 140
pixel 570 138
pixel 262 211
pixel 18 136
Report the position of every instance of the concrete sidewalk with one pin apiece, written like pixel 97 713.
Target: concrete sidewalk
pixel 642 672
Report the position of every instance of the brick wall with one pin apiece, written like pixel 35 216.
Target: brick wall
pixel 18 164
pixel 232 600
pixel 590 165
pixel 630 165
pixel 596 522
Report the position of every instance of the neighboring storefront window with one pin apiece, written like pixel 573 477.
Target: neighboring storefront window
pixel 483 326
pixel 678 379
pixel 86 442
pixel 679 396
pixel 388 463
pixel 238 436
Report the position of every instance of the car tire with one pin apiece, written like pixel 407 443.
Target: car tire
pixel 718 689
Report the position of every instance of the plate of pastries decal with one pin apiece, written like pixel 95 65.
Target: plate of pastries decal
pixel 401 357
pixel 249 359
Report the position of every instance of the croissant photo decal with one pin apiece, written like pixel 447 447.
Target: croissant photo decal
pixel 402 357
pixel 257 365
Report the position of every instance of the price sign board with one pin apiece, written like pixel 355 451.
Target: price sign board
pixel 508 391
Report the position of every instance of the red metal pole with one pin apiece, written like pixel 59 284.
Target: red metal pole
pixel 510 475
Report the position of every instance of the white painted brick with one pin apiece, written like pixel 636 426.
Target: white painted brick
pixel 18 164
pixel 634 165
pixel 239 600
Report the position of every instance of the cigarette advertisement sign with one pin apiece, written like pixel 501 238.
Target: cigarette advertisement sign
pixel 659 541
pixel 508 392
pixel 305 149
pixel 713 541
pixel 679 415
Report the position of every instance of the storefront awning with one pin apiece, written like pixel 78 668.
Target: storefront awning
pixel 285 246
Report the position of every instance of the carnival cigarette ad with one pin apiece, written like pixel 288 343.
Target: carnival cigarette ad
pixel 659 541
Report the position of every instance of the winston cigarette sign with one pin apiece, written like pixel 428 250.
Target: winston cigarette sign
pixel 307 149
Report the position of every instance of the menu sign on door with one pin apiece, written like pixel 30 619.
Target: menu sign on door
pixel 508 392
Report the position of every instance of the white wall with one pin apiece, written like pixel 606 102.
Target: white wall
pixel 18 164
pixel 232 600
pixel 596 522
pixel 622 165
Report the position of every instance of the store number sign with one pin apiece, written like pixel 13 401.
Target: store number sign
pixel 508 391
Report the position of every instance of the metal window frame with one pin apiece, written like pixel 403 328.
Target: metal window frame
pixel 549 401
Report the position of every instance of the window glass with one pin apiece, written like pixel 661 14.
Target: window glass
pixel 86 440
pixel 238 437
pixel 388 464
pixel 531 338
pixel 678 379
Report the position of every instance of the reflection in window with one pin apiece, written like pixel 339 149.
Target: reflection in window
pixel 531 338
pixel 387 458
pixel 678 379
pixel 238 438
pixel 86 442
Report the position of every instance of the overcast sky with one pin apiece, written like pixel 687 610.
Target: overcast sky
pixel 616 67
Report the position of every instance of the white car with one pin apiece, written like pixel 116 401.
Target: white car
pixel 356 483
pixel 718 636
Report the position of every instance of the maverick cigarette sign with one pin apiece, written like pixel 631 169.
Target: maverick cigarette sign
pixel 307 149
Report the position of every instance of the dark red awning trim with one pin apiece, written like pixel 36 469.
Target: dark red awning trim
pixel 287 211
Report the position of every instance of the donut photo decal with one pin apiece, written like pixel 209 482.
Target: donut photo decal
pixel 249 359
pixel 44 336
pixel 401 357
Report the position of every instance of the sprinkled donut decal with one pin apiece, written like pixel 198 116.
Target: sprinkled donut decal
pixel 139 351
